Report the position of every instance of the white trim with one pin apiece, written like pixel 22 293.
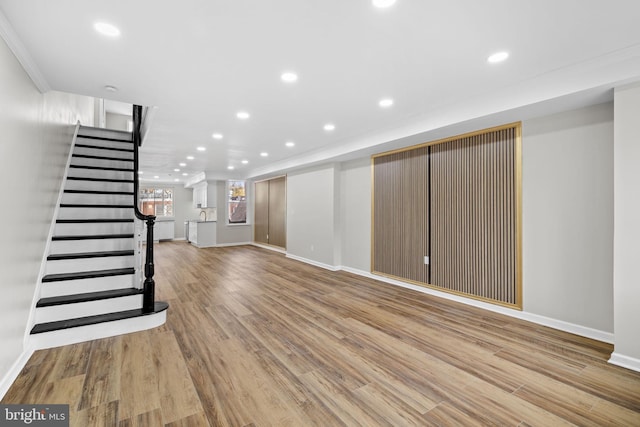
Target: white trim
pixel 226 245
pixel 14 371
pixel 530 317
pixel 625 361
pixel 271 248
pixel 47 248
pixel 22 54
pixel 316 263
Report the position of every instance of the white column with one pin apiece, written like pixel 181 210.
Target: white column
pixel 626 246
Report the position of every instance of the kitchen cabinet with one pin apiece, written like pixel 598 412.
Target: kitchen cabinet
pixel 204 195
pixel 202 233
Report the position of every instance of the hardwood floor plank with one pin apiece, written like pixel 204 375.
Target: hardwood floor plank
pixel 102 379
pixel 178 397
pixel 255 339
pixel 139 383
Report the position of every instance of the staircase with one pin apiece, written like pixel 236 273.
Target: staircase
pixel 91 288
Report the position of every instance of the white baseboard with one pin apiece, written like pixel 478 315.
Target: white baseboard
pixel 523 315
pixel 625 361
pixel 271 248
pixel 14 371
pixel 225 245
pixel 312 262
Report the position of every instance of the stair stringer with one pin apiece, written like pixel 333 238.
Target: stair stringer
pixel 52 226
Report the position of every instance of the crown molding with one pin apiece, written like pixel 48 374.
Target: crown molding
pixel 22 55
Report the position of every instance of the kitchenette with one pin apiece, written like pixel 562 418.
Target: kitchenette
pixel 202 232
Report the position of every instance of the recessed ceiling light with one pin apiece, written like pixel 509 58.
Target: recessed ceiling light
pixel 290 143
pixel 385 103
pixel 264 154
pixel 106 29
pixel 110 88
pixel 243 115
pixel 176 170
pixel 230 168
pixel 289 77
pixel 244 162
pixel 176 180
pixel 156 177
pixel 383 3
pixel 201 149
pixel 329 127
pixel 190 157
pixel 183 164
pixel 217 136
pixel 498 57
pixel 185 174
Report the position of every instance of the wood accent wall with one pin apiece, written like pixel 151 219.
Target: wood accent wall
pixel 261 212
pixel 270 212
pixel 460 204
pixel 401 206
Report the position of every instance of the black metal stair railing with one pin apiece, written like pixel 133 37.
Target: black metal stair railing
pixel 148 297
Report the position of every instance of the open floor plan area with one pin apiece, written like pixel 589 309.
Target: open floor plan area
pixel 256 339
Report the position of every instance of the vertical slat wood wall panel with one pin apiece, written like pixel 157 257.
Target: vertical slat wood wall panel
pixel 400 219
pixel 470 186
pixel 277 212
pixel 261 212
pixel 474 216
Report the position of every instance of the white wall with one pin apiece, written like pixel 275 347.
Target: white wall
pixel 568 216
pixel 355 204
pixel 627 227
pixel 312 201
pixel 37 131
pixel 117 121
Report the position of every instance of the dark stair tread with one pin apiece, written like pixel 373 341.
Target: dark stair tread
pixel 104 138
pixel 98 147
pixel 92 221
pixel 86 205
pixel 120 193
pixel 159 306
pixel 87 274
pixel 87 178
pixel 93 237
pixel 82 255
pixel 86 297
pixel 87 156
pixel 101 168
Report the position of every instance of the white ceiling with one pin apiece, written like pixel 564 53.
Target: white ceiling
pixel 200 62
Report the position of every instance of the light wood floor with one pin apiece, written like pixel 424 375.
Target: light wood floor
pixel 255 339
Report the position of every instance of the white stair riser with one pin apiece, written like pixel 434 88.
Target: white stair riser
pixel 104 163
pixel 95 213
pixel 97 245
pixel 73 184
pixel 98 199
pixel 97 331
pixel 87 229
pixel 97 151
pixel 97 173
pixel 81 286
pixel 90 308
pixel 88 264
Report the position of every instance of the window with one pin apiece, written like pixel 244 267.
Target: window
pixel 236 202
pixel 156 201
